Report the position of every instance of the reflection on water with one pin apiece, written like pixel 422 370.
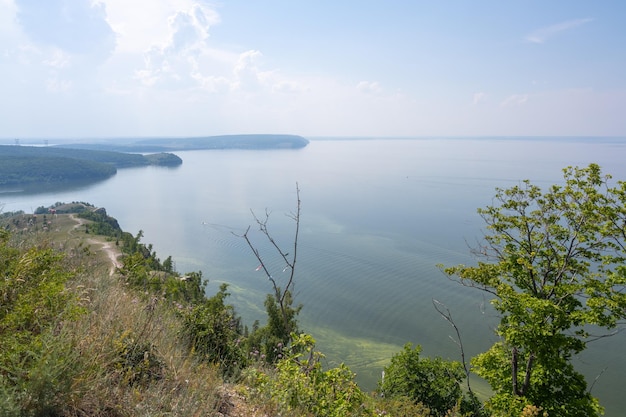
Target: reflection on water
pixel 377 217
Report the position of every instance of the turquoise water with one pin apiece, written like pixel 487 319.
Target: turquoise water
pixel 377 217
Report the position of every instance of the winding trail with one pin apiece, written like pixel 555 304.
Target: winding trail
pixel 108 247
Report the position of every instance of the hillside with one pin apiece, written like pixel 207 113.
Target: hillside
pixel 30 165
pixel 93 323
pixel 249 141
pixel 116 352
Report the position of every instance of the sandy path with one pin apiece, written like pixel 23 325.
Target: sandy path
pixel 109 248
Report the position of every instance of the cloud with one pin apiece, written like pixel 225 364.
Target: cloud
pixel 58 60
pixel 246 71
pixel 478 97
pixel 514 100
pixel 543 34
pixel 180 61
pixel 189 29
pixel 55 85
pixel 76 26
pixel 369 87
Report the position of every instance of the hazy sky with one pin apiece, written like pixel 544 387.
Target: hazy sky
pixel 101 68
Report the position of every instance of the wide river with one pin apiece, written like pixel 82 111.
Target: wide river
pixel 378 215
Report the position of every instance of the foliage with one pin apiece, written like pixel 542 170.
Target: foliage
pixel 164 159
pixel 123 359
pixel 20 165
pixel 401 407
pixel 213 331
pixel 34 364
pixel 33 296
pixel 553 261
pixel 46 170
pixel 101 222
pixel 142 270
pixel 249 141
pixel 270 339
pixel 300 384
pixel 137 360
pixel 433 382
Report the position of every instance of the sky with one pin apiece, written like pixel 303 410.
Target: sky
pixel 125 68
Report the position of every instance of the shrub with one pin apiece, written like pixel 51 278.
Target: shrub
pixel 137 360
pixel 300 385
pixel 432 382
pixel 213 331
pixel 37 362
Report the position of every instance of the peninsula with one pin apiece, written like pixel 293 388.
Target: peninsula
pixel 27 166
pixel 170 144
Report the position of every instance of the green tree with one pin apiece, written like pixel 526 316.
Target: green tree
pixel 554 263
pixel 213 331
pixel 433 382
pixel 300 386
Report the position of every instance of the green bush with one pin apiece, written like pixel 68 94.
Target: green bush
pixel 433 382
pixel 137 360
pixel 37 362
pixel 213 331
pixel 300 386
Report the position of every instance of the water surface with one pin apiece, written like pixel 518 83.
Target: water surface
pixel 377 217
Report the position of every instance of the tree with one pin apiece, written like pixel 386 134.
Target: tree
pixel 282 315
pixel 434 382
pixel 554 263
pixel 213 331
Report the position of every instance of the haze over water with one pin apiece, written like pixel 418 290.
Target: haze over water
pixel 378 215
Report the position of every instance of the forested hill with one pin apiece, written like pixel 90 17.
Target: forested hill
pixel 27 165
pixel 251 141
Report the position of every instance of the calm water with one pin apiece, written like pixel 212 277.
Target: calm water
pixel 377 217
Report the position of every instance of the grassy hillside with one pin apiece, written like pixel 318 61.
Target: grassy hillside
pixel 93 323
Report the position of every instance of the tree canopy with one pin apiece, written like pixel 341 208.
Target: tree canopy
pixel 553 261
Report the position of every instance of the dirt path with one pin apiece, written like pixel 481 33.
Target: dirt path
pixel 109 248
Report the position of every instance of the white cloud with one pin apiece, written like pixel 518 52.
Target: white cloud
pixel 478 97
pixel 77 27
pixel 514 100
pixel 369 87
pixel 543 34
pixel 55 85
pixel 8 24
pixel 246 71
pixel 58 60
pixel 160 69
pixel 184 59
pixel 141 24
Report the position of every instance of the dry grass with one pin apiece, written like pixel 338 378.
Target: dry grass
pixel 121 326
pixel 121 317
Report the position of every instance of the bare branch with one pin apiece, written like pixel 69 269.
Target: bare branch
pixel 280 294
pixel 447 315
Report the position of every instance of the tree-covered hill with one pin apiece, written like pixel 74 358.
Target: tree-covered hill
pixel 250 141
pixel 26 165
pixel 22 170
